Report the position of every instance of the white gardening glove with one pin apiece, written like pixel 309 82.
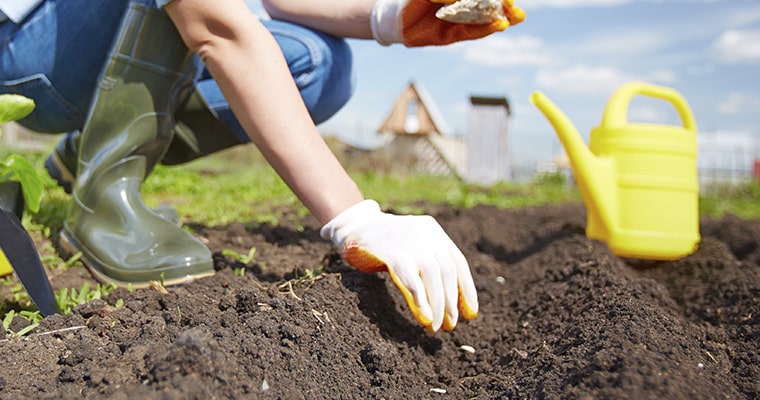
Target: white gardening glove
pixel 422 260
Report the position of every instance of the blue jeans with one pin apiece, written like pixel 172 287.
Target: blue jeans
pixel 55 57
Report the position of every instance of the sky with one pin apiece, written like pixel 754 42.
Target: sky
pixel 577 52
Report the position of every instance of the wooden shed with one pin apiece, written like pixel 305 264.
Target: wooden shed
pixel 417 133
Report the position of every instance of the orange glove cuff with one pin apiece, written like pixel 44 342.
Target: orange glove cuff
pixel 362 260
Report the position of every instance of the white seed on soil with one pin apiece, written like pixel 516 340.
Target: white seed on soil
pixel 501 280
pixel 437 390
pixel 467 348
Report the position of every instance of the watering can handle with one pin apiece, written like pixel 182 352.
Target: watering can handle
pixel 616 113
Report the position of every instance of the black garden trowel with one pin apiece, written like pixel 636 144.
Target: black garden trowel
pixel 18 250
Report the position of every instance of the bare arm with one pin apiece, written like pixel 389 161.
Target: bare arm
pixel 251 71
pixel 337 17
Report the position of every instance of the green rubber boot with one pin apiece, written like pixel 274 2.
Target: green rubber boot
pixel 198 132
pixel 127 132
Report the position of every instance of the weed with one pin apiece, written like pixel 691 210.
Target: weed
pixel 73 260
pixel 311 274
pixel 69 299
pixel 66 298
pixel 305 281
pixel 33 317
pixel 20 296
pixel 245 259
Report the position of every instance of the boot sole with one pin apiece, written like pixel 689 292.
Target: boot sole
pixel 69 245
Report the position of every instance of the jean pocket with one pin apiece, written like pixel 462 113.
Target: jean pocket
pixel 52 112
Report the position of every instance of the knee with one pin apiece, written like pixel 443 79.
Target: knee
pixel 337 79
pixel 321 66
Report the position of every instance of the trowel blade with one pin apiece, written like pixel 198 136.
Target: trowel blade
pixel 18 248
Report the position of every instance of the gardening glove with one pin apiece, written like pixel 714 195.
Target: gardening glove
pixel 419 256
pixel 414 22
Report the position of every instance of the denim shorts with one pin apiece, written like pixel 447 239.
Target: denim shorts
pixel 55 57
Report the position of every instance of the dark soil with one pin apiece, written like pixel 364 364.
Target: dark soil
pixel 561 317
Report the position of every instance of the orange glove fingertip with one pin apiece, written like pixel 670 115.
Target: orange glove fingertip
pixel 464 308
pixel 448 325
pixel 515 15
pixel 499 25
pixel 412 303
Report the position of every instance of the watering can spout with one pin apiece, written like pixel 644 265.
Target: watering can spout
pixel 573 143
pixel 594 177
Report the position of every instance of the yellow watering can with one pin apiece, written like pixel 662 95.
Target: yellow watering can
pixel 638 181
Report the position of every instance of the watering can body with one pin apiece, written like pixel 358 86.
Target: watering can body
pixel 639 181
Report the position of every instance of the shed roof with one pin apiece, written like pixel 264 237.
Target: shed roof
pixel 491 101
pixel 425 119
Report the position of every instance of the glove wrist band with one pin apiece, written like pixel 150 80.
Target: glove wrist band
pixel 336 230
pixel 385 22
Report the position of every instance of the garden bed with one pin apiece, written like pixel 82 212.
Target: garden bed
pixel 561 317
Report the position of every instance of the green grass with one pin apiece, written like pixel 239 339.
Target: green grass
pixel 742 200
pixel 237 185
pixel 216 191
pixel 220 194
pixel 407 193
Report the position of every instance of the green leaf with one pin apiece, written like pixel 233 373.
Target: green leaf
pixel 8 319
pixel 14 107
pixel 27 329
pixel 21 170
pixel 242 258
